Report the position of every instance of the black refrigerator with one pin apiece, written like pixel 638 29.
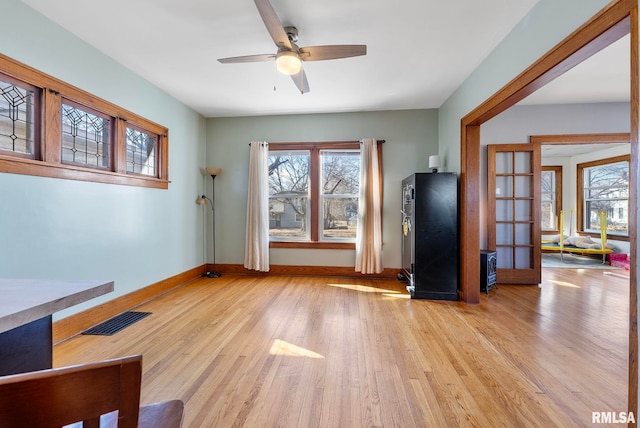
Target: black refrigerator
pixel 430 238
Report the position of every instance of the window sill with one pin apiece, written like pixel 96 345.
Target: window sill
pixel 314 245
pixel 18 165
pixel 549 232
pixel 610 236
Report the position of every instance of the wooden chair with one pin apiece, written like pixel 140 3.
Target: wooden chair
pixel 89 392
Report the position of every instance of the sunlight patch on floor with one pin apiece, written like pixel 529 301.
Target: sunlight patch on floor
pixel 564 283
pixel 280 347
pixel 364 288
pixel 397 295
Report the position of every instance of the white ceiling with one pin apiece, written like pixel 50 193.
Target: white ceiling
pixel 419 51
pixel 570 150
pixel 605 77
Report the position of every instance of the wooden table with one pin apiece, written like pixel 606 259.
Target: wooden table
pixel 26 308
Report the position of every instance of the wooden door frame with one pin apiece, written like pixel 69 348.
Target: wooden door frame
pixel 616 20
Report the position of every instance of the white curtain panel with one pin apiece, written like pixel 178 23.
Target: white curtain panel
pixel 369 231
pixel 256 249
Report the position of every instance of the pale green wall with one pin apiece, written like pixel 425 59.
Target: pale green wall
pixel 543 27
pixel 411 136
pixel 64 229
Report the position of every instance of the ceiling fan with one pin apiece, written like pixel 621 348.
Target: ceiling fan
pixel 289 56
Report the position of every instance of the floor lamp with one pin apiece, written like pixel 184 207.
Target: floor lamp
pixel 202 200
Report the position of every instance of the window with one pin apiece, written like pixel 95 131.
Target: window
pixel 339 194
pixel 141 152
pixel 551 196
pixel 52 129
pixel 19 122
pixel 86 136
pixel 314 194
pixel 289 204
pixel 604 186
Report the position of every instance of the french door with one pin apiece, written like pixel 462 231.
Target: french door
pixel 513 211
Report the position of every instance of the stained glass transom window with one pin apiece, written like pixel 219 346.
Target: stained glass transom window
pixel 17 119
pixel 141 152
pixel 85 137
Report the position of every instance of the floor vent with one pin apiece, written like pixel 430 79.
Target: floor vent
pixel 116 324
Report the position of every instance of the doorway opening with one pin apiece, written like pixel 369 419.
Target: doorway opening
pixel 614 22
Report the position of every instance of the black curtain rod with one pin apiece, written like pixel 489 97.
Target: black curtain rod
pixel 320 142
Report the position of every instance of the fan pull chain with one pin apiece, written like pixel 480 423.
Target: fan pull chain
pixel 275 75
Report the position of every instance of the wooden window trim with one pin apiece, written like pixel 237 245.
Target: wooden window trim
pixel 313 244
pixel 580 195
pixel 48 163
pixel 315 147
pixel 558 199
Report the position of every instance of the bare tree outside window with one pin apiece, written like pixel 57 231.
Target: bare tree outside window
pixel 141 152
pixel 314 193
pixel 289 194
pixel 606 188
pixel 340 190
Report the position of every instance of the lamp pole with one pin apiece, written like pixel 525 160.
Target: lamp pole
pixel 213 172
pixel 213 274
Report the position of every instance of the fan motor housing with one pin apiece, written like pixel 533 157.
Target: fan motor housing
pixel 292 33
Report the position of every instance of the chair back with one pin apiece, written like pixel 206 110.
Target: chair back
pixel 62 396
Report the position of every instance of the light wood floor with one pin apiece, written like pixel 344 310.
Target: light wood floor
pixel 323 352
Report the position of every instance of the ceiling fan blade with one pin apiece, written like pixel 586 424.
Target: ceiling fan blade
pixel 320 53
pixel 273 24
pixel 300 79
pixel 247 58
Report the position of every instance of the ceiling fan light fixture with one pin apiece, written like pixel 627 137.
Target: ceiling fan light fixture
pixel 288 62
